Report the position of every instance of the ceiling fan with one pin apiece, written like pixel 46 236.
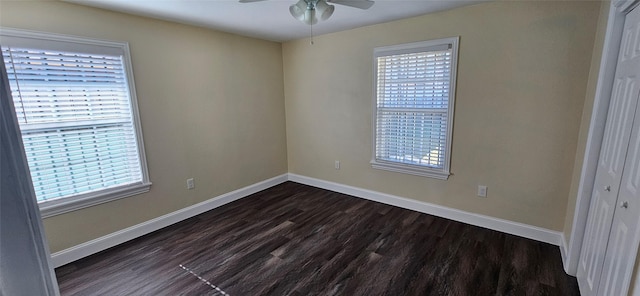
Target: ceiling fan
pixel 308 11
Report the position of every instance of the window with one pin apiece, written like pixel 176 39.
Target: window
pixel 76 107
pixel 413 116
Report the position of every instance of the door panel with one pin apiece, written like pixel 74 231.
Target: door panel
pixel 615 140
pixel 615 145
pixel 599 215
pixel 625 229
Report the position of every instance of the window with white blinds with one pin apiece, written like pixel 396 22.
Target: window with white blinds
pixel 415 86
pixel 75 105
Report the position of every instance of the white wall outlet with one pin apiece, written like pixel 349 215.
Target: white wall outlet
pixel 337 165
pixel 190 184
pixel 482 191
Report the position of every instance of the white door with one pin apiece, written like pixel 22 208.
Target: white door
pixel 596 246
pixel 623 240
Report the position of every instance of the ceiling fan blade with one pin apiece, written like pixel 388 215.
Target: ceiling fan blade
pixel 249 1
pixel 362 4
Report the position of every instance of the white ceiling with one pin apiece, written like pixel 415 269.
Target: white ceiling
pixel 270 19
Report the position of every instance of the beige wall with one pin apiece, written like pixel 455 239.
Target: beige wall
pixel 211 104
pixel 586 116
pixel 522 76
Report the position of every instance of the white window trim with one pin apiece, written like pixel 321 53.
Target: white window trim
pixel 441 174
pixel 64 205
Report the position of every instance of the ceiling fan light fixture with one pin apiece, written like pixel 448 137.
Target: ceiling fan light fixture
pixel 310 16
pixel 324 10
pixel 310 11
pixel 298 10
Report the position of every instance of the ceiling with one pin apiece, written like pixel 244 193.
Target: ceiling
pixel 270 20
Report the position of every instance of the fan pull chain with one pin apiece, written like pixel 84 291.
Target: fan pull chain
pixel 311 32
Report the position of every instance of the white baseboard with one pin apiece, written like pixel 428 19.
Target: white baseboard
pixel 506 226
pixel 564 252
pixel 102 243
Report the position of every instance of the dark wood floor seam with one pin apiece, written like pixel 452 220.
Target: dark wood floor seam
pixel 214 287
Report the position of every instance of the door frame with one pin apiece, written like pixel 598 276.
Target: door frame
pixel 613 36
pixel 21 199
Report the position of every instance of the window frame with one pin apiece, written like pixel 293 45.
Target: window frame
pixel 49 208
pixel 416 47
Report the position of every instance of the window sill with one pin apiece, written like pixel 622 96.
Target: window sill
pixel 410 169
pixel 65 205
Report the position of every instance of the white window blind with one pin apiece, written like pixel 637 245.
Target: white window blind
pixel 76 118
pixel 413 107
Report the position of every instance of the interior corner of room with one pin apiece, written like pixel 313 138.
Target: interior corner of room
pixel 239 115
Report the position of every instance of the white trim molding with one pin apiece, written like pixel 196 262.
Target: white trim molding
pixel 564 251
pixel 506 226
pixel 102 243
pixel 65 205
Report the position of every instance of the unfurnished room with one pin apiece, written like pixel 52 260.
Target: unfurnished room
pixel 319 147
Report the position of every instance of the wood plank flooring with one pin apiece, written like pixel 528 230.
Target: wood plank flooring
pixel 294 239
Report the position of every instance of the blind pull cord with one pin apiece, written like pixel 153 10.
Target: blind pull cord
pixel 15 75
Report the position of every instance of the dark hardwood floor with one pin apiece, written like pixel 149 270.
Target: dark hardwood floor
pixel 294 239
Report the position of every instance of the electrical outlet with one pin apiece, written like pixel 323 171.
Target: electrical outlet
pixel 190 184
pixel 337 165
pixel 482 191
